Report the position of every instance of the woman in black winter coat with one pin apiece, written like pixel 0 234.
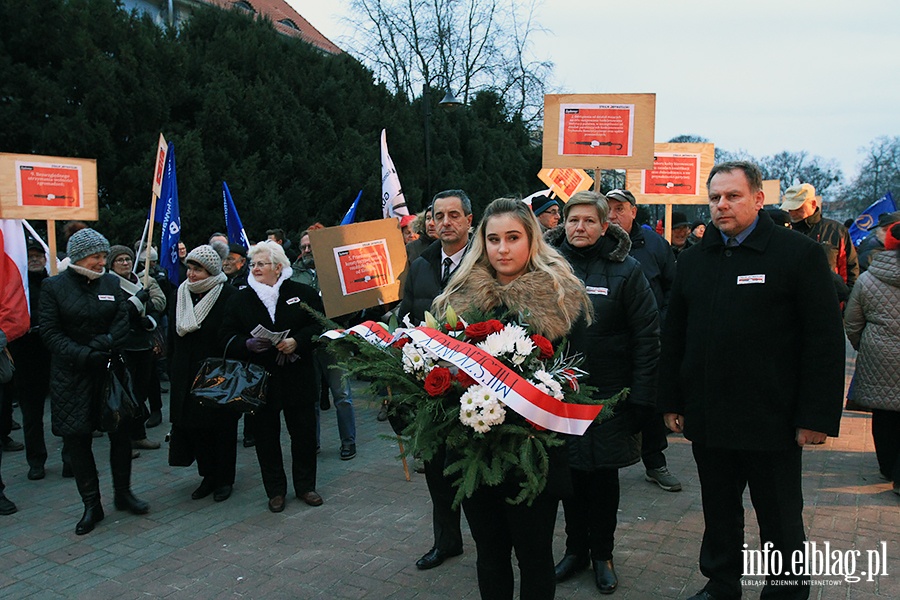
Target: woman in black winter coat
pixel 84 320
pixel 621 348
pixel 204 434
pixel 278 304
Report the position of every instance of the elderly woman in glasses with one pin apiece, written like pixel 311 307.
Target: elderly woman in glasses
pixel 277 304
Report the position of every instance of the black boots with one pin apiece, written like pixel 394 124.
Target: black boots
pixel 605 576
pixel 571 564
pixel 93 514
pixel 125 500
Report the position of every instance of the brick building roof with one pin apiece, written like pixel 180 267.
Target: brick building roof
pixel 286 20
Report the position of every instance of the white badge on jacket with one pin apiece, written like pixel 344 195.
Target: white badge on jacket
pixel 293 300
pixel 602 291
pixel 748 279
pixel 106 297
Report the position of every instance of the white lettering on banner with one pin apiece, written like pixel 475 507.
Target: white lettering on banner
pixel 106 297
pixel 747 279
pixel 602 291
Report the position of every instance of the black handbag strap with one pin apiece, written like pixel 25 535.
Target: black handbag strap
pixel 225 353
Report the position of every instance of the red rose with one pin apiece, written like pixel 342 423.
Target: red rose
pixel 544 345
pixel 400 343
pixel 464 380
pixel 438 381
pixel 476 332
pixel 459 326
pixel 571 378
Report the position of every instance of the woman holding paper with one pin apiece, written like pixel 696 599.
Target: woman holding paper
pixel 274 307
pixel 204 434
pixel 510 269
pixel 621 349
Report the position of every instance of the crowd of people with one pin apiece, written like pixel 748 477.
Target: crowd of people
pixel 680 325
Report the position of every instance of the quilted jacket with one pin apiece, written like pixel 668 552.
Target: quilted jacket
pixel 79 315
pixel 872 321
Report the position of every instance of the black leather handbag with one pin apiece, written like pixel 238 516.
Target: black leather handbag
pixel 116 401
pixel 224 382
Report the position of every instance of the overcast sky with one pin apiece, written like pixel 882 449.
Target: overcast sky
pixel 771 75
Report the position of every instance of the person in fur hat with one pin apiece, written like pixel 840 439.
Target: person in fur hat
pixel 510 268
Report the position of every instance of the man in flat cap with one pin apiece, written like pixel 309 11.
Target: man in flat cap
pixel 800 201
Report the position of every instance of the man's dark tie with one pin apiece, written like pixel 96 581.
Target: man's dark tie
pixel 445 274
pixel 732 242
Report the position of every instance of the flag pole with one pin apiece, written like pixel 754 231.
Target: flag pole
pixel 149 241
pixel 158 174
pixel 51 243
pixel 141 246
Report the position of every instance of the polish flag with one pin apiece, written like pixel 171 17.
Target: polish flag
pixel 14 318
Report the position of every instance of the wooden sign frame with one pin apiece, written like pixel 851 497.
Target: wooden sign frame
pixel 350 261
pixel 613 131
pixel 67 187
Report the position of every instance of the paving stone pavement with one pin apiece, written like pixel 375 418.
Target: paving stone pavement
pixel 363 542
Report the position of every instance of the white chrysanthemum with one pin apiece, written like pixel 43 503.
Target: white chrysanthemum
pixel 524 347
pixel 504 341
pixel 470 398
pixel 413 359
pixel 481 427
pixel 493 414
pixel 553 387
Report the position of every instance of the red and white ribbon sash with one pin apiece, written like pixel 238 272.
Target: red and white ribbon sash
pixel 514 391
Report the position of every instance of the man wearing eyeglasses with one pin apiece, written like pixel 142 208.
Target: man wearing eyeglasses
pixel 234 265
pixel 546 210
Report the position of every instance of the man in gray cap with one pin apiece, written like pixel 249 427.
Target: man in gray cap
pixel 800 201
pixel 874 242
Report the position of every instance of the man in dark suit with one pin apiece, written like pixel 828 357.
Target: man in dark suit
pixel 747 291
pixel 428 274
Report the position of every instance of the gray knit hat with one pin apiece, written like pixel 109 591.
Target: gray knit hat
pixel 207 258
pixel 85 242
pixel 116 251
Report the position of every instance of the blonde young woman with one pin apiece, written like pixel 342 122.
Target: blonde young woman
pixel 511 270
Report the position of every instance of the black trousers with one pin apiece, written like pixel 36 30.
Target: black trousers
pixel 84 467
pixel 300 419
pixel 499 528
pixel 886 435
pixel 777 497
pixel 444 518
pixel 591 513
pixel 213 447
pixel 654 442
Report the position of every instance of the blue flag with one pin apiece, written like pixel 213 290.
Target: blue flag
pixel 868 219
pixel 350 217
pixel 168 214
pixel 233 225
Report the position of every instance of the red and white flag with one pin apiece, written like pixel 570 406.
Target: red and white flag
pixel 393 203
pixel 14 316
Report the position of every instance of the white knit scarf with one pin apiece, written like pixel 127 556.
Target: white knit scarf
pixel 189 316
pixel 268 294
pixel 92 275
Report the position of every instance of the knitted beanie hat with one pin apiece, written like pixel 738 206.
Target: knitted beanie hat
pixel 115 252
pixel 207 258
pixel 85 242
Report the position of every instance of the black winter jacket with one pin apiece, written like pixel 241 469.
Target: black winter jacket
pixel 185 355
pixel 78 316
pixel 657 261
pixel 423 284
pixel 753 346
pixel 621 348
pixel 244 311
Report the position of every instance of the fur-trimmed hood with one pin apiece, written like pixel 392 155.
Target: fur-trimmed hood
pixel 550 311
pixel 556 237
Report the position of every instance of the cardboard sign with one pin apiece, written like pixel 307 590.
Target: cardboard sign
pixel 678 176
pixel 47 187
pixel 359 265
pixel 161 150
pixel 566 182
pixel 599 131
pixel 772 190
pixel 673 173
